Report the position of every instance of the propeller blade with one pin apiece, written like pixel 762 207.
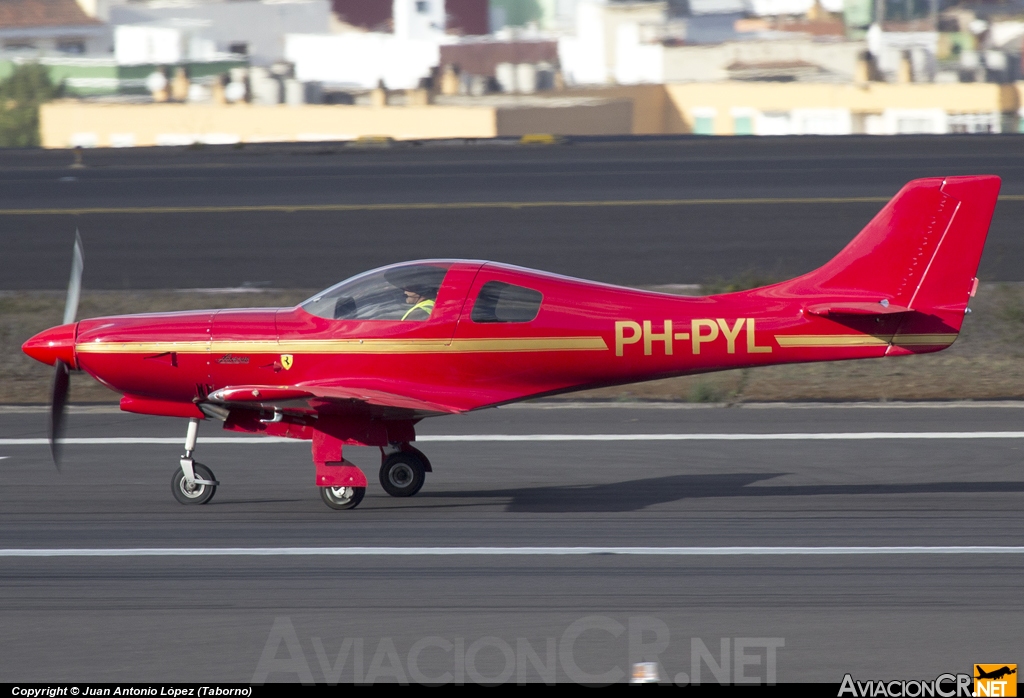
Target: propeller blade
pixel 62 372
pixel 75 283
pixel 58 400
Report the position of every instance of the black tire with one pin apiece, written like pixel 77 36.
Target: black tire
pixel 200 494
pixel 408 448
pixel 402 474
pixel 342 497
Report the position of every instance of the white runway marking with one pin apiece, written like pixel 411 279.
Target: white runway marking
pixel 501 551
pixel 476 438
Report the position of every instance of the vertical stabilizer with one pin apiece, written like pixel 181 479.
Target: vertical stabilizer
pixel 919 256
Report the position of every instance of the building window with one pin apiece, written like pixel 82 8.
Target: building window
pixel 422 6
pixel 743 125
pixel 75 46
pixel 240 48
pixel 986 122
pixel 704 125
pixel 704 120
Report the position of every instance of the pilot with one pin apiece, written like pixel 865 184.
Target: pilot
pixel 421 299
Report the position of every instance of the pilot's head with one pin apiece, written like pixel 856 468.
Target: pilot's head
pixel 417 293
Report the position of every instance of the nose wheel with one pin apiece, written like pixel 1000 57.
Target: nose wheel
pixel 199 491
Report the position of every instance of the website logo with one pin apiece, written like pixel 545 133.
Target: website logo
pixel 995 680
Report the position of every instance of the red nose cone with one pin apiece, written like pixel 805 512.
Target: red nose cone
pixel 52 344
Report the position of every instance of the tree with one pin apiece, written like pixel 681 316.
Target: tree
pixel 20 96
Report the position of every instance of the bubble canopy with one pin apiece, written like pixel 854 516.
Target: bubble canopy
pixel 380 294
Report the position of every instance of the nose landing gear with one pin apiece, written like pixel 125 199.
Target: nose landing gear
pixel 196 491
pixel 192 483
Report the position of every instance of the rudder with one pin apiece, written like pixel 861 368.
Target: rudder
pixel 948 281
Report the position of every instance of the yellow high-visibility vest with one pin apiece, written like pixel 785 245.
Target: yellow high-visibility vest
pixel 426 306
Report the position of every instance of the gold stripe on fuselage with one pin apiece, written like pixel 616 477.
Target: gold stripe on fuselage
pixel 917 340
pixel 350 346
pixel 863 340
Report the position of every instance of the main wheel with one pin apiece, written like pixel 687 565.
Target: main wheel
pixel 342 497
pixel 196 494
pixel 402 474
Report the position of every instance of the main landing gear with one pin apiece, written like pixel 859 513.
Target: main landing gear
pixel 342 484
pixel 402 470
pixel 343 497
pixel 193 483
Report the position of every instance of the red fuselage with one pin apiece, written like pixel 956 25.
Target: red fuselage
pixel 443 336
pixel 585 334
pixel 363 361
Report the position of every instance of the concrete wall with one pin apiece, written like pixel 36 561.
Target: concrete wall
pixel 653 113
pixel 68 124
pixel 603 119
pixel 709 63
pixel 64 124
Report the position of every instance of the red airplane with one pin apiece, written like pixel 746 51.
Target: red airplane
pixel 363 361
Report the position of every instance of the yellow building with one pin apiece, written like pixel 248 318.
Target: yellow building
pixel 720 108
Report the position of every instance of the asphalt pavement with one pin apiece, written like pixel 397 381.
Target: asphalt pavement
pixel 851 535
pixel 629 211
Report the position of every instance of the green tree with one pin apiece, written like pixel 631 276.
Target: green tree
pixel 20 96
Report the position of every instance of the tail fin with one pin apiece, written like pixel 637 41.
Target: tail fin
pixel 918 256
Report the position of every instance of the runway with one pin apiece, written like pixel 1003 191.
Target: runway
pixel 563 558
pixel 628 211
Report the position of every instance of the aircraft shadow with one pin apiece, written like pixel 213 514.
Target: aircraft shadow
pixel 633 495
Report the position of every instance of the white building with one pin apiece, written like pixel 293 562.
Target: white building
pixel 362 60
pixel 591 57
pixel 253 28
pixel 630 43
pixel 156 43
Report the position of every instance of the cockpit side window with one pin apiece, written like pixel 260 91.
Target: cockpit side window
pixel 406 292
pixel 501 302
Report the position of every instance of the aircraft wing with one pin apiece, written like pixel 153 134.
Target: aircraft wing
pixel 355 397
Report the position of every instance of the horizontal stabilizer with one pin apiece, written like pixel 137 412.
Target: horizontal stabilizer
pixel 856 308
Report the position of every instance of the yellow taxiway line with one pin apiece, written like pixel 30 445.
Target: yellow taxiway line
pixel 452 206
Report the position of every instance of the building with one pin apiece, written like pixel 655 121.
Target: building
pixel 461 17
pixel 252 29
pixel 358 60
pixel 31 28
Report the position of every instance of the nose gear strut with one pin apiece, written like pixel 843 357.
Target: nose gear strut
pixel 193 483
